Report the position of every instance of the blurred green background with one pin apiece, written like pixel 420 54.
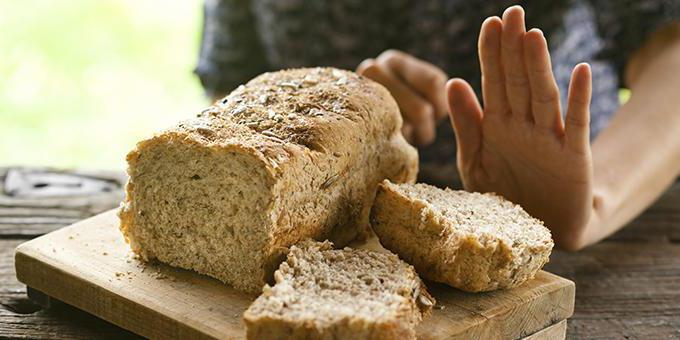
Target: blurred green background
pixel 82 80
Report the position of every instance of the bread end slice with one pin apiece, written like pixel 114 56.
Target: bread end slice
pixel 471 241
pixel 323 293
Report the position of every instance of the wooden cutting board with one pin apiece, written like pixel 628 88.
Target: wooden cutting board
pixel 89 265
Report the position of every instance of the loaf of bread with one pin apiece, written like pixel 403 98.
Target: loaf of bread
pixel 291 155
pixel 471 241
pixel 321 293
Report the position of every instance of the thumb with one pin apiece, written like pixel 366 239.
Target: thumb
pixel 466 116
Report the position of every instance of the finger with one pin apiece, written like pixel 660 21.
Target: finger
pixel 466 115
pixel 425 78
pixel 545 96
pixel 415 109
pixel 364 65
pixel 512 57
pixel 577 131
pixel 407 131
pixel 493 85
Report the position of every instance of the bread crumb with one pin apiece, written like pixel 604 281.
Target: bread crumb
pixel 323 275
pixel 105 253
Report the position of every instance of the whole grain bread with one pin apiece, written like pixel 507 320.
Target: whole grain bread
pixel 471 241
pixel 322 293
pixel 291 155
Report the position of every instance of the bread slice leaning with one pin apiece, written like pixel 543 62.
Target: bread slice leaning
pixel 471 241
pixel 323 293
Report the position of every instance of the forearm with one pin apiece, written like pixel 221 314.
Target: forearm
pixel 638 156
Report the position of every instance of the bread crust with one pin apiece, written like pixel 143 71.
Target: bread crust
pixel 324 137
pixel 441 252
pixel 299 306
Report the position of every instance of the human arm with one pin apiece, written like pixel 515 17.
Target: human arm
pixel 517 145
pixel 638 155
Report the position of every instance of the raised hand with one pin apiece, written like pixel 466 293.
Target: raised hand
pixel 517 145
pixel 418 88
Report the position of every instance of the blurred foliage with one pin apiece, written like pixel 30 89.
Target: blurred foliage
pixel 81 81
pixel 624 95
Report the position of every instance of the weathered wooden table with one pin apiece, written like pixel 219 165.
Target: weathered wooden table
pixel 626 287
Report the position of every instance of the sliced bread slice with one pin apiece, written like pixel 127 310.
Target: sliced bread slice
pixel 471 241
pixel 323 293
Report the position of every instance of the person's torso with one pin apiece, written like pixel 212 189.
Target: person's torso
pixel 297 33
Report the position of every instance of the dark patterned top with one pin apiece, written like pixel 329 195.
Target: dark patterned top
pixel 243 38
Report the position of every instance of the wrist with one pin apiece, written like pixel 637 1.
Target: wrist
pixel 585 231
pixel 592 230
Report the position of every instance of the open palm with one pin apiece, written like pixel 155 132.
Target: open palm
pixel 517 145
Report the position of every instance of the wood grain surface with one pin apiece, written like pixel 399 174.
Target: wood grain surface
pixel 36 201
pixel 89 265
pixel 627 287
pixel 556 331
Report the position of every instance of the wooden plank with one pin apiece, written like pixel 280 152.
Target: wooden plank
pixel 36 201
pixel 650 315
pixel 554 332
pixel 613 268
pixel 89 266
pixel 652 226
pixel 21 318
pixel 27 231
pixel 26 322
pixel 613 301
pixel 506 314
pixel 518 312
pixel 12 293
pixel 63 322
pixel 8 280
pixel 624 289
